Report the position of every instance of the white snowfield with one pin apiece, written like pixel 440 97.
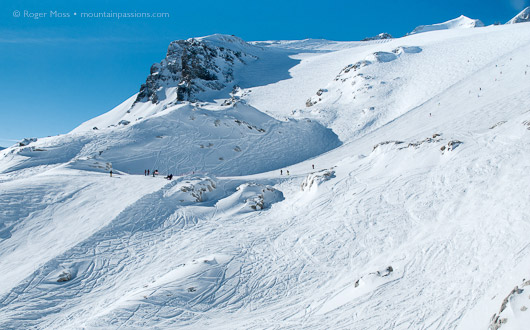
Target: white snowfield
pixel 401 202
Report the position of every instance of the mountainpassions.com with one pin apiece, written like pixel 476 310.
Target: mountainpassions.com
pixel 112 14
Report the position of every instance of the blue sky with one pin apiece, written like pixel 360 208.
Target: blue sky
pixel 58 72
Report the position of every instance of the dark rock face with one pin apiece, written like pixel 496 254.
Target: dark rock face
pixel 193 66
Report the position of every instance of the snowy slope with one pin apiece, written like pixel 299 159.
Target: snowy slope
pixel 412 217
pixel 461 22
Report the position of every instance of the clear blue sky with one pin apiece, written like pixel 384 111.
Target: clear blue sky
pixel 58 72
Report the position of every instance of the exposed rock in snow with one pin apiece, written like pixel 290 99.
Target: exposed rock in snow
pixel 26 141
pixel 315 179
pixel 124 122
pixel 250 197
pixel 498 124
pixel 385 143
pixel 193 189
pixel 65 276
pixel 522 17
pixel 380 36
pixel 257 197
pixel 451 145
pixel 461 22
pixel 514 309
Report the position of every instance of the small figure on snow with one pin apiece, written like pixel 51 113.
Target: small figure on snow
pixel 287 172
pixel 111 173
pixel 313 165
pixel 281 172
pixel 147 172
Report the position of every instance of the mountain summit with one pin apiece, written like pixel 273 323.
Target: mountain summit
pixel 461 22
pixel 522 17
pixel 194 66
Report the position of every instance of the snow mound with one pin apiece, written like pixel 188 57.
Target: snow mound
pixel 381 57
pixel 406 49
pixel 178 287
pixel 522 17
pixel 461 22
pixel 250 197
pixel 90 164
pixel 220 140
pixel 362 286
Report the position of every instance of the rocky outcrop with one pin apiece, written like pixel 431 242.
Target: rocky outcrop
pixel 380 36
pixel 195 65
pixel 315 179
pixel 515 300
pixel 26 141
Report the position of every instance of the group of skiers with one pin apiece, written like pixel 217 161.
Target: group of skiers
pixel 147 172
pixel 287 171
pixel 155 173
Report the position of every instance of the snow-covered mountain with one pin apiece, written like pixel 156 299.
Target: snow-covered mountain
pixel 461 22
pixel 317 184
pixel 522 17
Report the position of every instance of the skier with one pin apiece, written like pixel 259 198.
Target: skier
pixel 313 166
pixel 147 172
pixel 281 172
pixel 111 173
pixel 287 172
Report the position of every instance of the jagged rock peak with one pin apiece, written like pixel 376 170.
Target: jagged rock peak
pixel 196 65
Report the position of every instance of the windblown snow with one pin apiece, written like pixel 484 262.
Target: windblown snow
pixel 316 184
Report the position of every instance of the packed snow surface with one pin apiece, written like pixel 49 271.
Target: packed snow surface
pixel 316 184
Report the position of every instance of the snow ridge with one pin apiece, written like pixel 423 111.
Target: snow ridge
pixel 522 17
pixel 461 22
